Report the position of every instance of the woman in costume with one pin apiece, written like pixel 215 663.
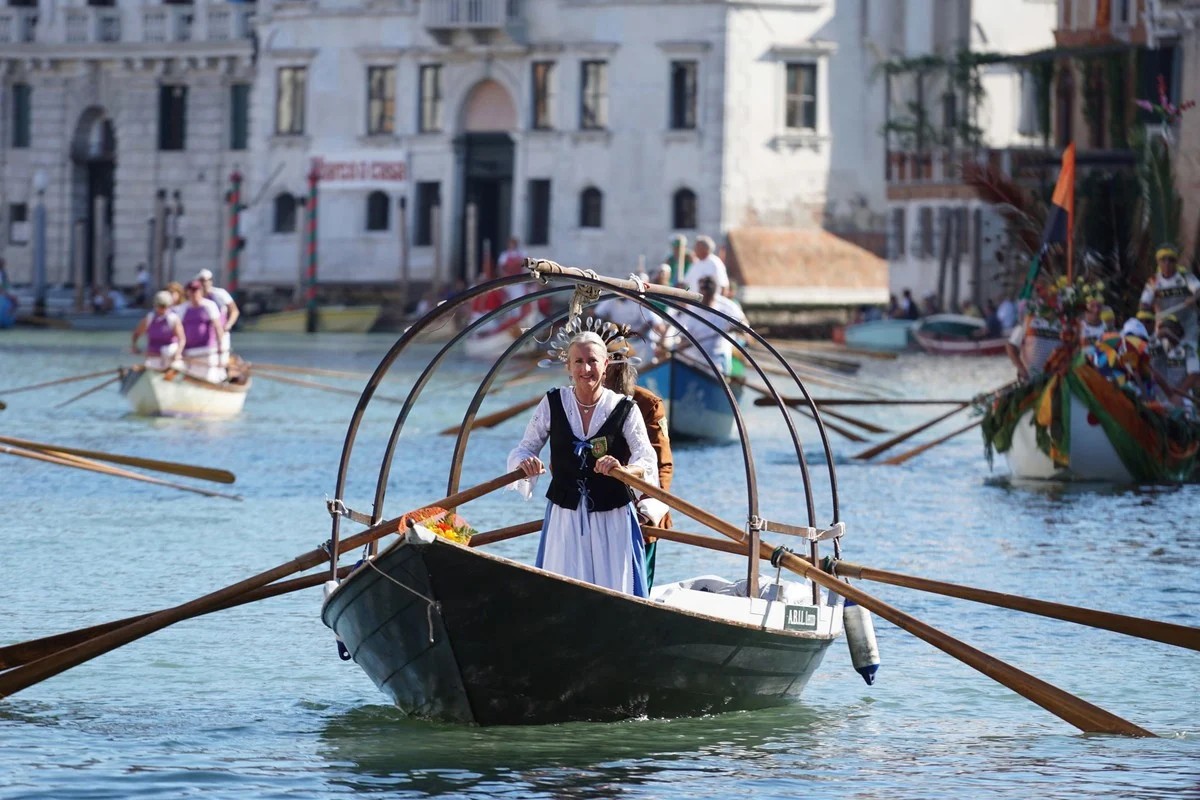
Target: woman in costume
pixel 590 531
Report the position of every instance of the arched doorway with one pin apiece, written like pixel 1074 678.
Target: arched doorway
pixel 93 156
pixel 486 152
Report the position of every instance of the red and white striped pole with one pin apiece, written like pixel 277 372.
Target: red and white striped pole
pixel 234 248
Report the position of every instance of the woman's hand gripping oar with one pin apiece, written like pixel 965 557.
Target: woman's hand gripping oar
pixel 1066 706
pixel 37 671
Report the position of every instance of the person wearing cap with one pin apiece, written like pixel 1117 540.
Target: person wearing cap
pixel 204 334
pixel 708 328
pixel 226 305
pixel 1173 291
pixel 707 264
pixel 1108 318
pixel 163 329
pixel 621 377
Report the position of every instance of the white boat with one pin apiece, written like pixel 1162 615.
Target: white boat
pixel 1092 456
pixel 878 334
pixel 174 394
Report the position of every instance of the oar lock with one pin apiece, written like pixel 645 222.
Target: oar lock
pixel 835 531
pixel 337 508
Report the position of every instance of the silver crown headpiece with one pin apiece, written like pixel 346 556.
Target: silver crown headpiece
pixel 614 342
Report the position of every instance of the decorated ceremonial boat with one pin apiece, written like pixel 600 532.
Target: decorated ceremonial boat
pixel 452 633
pixel 174 393
pixel 956 335
pixel 697 404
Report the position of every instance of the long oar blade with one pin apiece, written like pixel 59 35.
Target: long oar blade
pixel 1080 713
pixel 494 419
pixel 35 672
pixel 314 385
pixel 1153 630
pixel 862 401
pixel 871 452
pixel 79 462
pixel 916 451
pixel 14 655
pixel 92 390
pixel 327 373
pixel 71 379
pixel 172 467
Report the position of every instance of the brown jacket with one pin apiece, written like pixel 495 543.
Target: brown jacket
pixel 655 417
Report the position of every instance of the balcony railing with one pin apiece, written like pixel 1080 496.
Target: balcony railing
pixel 469 14
pixel 152 24
pixel 18 25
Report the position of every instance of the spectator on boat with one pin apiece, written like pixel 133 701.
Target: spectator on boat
pixel 708 328
pixel 226 305
pixel 893 309
pixel 204 334
pixel 1091 326
pixel 1031 343
pixel 1173 291
pixel 621 377
pixel 908 306
pixel 639 320
pixel 590 532
pixel 991 321
pixel 1007 314
pixel 707 265
pixel 165 338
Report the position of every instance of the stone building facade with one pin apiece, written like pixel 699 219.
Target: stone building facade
pixel 105 106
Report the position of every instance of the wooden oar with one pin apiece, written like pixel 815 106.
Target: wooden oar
pixel 871 452
pixel 1153 630
pixel 1066 706
pixel 92 390
pixel 802 409
pixel 916 451
pixel 72 379
pixel 321 386
pixel 50 665
pixel 173 467
pixel 815 379
pixel 78 462
pixel 834 347
pixel 328 373
pixel 494 419
pixel 861 401
pixel 14 655
pixel 500 534
pixel 870 427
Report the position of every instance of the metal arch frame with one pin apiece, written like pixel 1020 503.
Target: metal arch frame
pixel 673 299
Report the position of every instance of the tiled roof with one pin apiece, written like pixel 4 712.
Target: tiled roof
pixel 796 266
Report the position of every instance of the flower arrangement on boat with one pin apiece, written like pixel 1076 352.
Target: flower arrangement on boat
pixel 450 526
pixel 1065 299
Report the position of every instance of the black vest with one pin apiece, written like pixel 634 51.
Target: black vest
pixel 572 474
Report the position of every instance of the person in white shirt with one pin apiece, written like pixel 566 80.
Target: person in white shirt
pixel 620 310
pixel 1173 291
pixel 707 264
pixel 708 328
pixel 226 305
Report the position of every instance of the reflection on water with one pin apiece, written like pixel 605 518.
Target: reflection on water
pixel 386 751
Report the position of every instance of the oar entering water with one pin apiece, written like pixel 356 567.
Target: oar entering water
pixel 916 451
pixel 92 390
pixel 494 419
pixel 1078 712
pixel 71 379
pixel 871 452
pixel 37 671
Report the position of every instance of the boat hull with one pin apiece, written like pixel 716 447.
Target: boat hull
pixel 173 394
pixel 330 319
pixel 956 335
pixel 552 649
pixel 880 334
pixel 697 407
pixel 1092 455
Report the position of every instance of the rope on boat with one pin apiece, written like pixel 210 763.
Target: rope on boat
pixel 430 603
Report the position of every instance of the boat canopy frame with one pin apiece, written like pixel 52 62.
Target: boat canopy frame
pixel 570 279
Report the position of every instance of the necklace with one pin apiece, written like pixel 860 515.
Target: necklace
pixel 585 406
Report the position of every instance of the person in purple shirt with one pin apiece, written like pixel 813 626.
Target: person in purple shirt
pixel 163 328
pixel 203 332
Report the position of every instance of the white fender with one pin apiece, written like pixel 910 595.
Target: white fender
pixel 860 636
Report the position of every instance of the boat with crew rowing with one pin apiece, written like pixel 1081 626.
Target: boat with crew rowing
pixel 174 393
pixel 455 633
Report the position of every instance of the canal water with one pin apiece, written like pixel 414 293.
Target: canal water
pixel 253 702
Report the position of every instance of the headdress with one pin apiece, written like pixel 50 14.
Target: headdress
pixel 608 333
pixel 1165 251
pixel 1108 313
